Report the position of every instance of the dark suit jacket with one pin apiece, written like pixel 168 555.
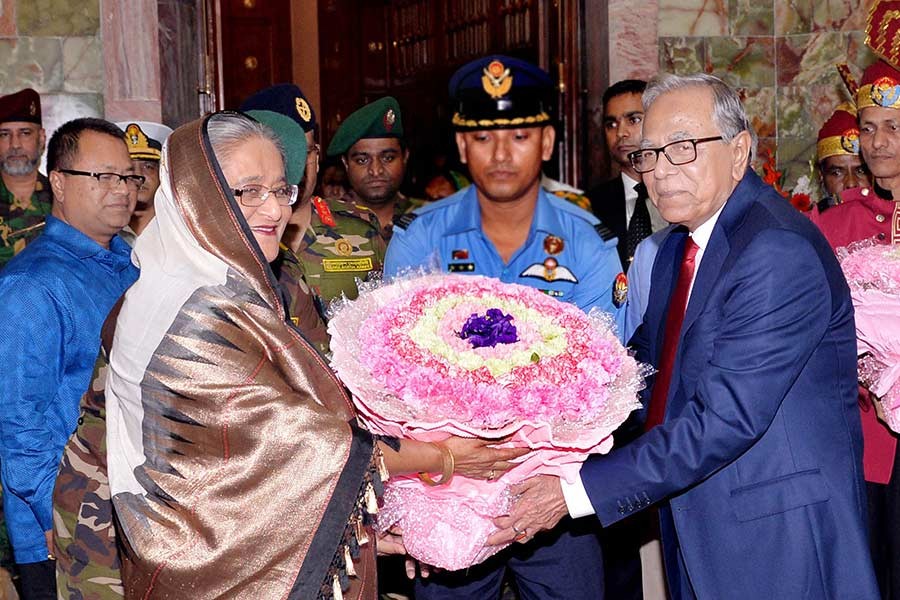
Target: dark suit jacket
pixel 608 205
pixel 758 461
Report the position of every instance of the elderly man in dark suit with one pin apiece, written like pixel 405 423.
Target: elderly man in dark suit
pixel 753 444
pixel 621 203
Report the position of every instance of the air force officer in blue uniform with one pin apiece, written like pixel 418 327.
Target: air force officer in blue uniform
pixel 756 461
pixel 506 226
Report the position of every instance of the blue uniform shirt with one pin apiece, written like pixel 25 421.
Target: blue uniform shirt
pixel 564 255
pixel 54 297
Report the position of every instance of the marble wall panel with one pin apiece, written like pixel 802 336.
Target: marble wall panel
pixel 760 106
pixel 750 17
pixel 682 55
pixel 840 15
pixel 793 16
pixel 31 62
pixel 693 17
pixel 58 17
pixel 82 64
pixel 7 18
pixel 742 61
pixel 632 40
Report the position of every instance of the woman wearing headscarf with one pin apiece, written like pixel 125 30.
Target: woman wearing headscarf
pixel 235 464
pixel 236 468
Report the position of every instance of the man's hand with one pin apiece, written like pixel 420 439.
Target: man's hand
pixel 539 507
pixel 390 542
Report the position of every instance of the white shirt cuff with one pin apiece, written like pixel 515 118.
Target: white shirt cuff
pixel 576 497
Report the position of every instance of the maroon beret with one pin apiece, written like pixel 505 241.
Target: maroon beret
pixel 24 105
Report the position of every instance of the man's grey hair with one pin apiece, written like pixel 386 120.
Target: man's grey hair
pixel 728 110
pixel 227 130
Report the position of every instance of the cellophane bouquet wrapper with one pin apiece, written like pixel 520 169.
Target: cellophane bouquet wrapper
pixel 873 274
pixel 432 355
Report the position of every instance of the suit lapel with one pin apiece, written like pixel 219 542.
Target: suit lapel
pixel 718 247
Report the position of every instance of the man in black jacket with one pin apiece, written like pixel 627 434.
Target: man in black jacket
pixel 621 203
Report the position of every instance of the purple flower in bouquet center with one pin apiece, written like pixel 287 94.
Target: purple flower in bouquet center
pixel 489 330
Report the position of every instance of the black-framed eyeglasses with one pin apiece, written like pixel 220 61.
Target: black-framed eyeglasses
pixel 681 152
pixel 110 180
pixel 256 195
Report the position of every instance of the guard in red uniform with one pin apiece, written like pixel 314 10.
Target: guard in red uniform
pixel 870 212
pixel 837 155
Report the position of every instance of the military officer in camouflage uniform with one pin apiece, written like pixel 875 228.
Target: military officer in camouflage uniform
pixel 349 235
pixel 25 197
pixel 292 111
pixel 84 539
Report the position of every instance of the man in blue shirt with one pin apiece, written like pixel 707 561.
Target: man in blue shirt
pixel 506 226
pixel 54 297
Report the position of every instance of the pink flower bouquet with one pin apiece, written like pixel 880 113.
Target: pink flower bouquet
pixel 873 273
pixel 434 355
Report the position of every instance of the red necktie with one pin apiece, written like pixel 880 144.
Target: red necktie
pixel 674 318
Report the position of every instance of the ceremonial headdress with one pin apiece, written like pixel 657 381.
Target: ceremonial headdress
pixel 840 133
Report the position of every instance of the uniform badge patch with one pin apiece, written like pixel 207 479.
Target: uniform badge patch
pixel 553 293
pixel 620 290
pixel 346 265
pixel 497 80
pixel 303 109
pixel 553 244
pixel 323 211
pixel 343 247
pixel 461 267
pixel 549 270
pixel 462 254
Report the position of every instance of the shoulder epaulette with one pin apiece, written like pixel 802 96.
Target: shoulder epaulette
pixel 403 221
pixel 605 232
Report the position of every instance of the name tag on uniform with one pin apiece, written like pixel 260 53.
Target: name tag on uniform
pixel 346 265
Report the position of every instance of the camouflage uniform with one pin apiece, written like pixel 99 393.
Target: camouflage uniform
pixel 88 565
pixel 21 222
pixel 344 242
pixel 304 308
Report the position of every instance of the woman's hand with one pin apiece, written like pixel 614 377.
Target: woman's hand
pixel 477 459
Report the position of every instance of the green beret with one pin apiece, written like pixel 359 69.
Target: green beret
pixel 380 119
pixel 293 140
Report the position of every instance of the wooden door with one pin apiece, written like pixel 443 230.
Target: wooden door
pixel 254 47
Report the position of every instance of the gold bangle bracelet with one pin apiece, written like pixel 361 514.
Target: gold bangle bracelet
pixel 448 465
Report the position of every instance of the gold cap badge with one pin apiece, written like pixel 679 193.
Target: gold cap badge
pixel 303 109
pixel 497 80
